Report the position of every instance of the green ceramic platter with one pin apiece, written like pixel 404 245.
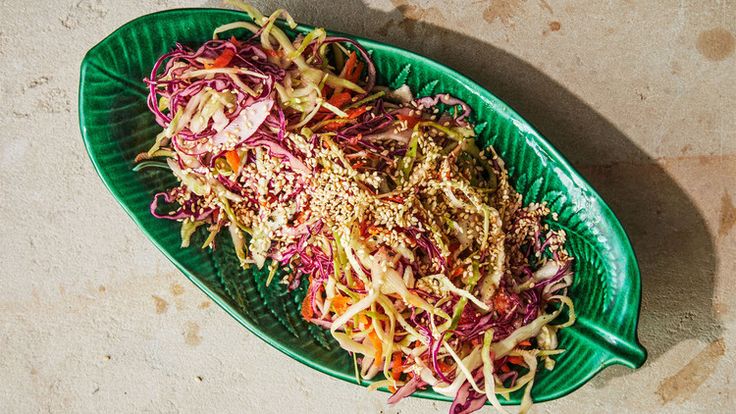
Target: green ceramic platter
pixel 116 125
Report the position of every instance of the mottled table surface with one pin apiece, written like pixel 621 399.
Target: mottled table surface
pixel 639 95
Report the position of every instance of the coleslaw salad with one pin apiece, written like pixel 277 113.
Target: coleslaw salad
pixel 419 256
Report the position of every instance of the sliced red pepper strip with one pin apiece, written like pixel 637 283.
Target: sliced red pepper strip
pixel 356 112
pixel 349 65
pixel 396 199
pixel 516 360
pixel 307 311
pixel 224 59
pixel 354 75
pixel 339 99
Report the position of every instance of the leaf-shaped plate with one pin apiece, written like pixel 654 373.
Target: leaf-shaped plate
pixel 116 125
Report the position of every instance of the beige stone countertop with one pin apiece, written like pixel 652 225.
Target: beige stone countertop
pixel 639 95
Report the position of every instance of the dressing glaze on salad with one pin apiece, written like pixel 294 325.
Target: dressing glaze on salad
pixel 421 260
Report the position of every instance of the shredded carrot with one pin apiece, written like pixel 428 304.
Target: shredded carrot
pixel 234 41
pixel 358 164
pixel 505 368
pixel 376 344
pixel 396 366
pixel 444 367
pixel 332 126
pixel 410 120
pixel 301 216
pixel 307 312
pixel 457 272
pixel 340 304
pixel 340 101
pixel 233 159
pixel 501 302
pixel 526 343
pixel 273 53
